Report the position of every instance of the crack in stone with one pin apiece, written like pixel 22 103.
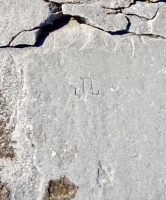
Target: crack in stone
pixel 148 35
pixel 42 28
pixel 78 2
pixel 142 17
pixel 20 33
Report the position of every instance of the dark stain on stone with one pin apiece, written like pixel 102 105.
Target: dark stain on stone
pixel 61 189
pixel 4 192
pixel 6 151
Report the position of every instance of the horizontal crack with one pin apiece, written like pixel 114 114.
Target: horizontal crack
pixel 58 23
pixel 149 35
pixel 22 32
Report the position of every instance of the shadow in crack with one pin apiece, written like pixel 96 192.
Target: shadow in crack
pixel 124 31
pixel 46 30
pixel 50 28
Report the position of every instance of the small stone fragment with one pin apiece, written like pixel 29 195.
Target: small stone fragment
pixel 139 25
pixel 156 26
pixel 142 9
pixel 61 189
pixel 26 37
pixel 4 192
pixel 98 17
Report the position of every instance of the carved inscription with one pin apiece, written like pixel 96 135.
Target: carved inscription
pixel 86 87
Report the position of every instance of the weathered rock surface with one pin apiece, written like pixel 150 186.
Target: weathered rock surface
pixel 83 114
pixel 112 16
pixel 104 3
pixel 4 192
pixel 18 16
pixel 92 109
pixel 156 26
pixel 26 37
pixel 61 189
pixel 97 16
pixel 143 9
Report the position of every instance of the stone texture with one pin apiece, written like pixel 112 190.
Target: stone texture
pixel 26 37
pixel 10 92
pixel 115 3
pixel 104 3
pixel 156 26
pixel 61 189
pixel 97 17
pixel 4 192
pixel 139 25
pixel 142 9
pixel 139 18
pixel 83 115
pixel 92 109
pixel 18 16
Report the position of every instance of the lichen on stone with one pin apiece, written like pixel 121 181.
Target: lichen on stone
pixel 61 189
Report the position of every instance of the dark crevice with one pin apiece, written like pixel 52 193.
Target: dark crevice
pixel 58 5
pixel 64 20
pixel 45 31
pixel 51 28
pixel 123 32
pixel 155 13
pixel 55 10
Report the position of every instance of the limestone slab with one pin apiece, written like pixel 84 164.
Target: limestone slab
pixel 91 107
pixel 82 113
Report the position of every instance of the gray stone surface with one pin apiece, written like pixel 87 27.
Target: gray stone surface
pixel 83 115
pixel 142 9
pixel 22 15
pixel 139 18
pixel 92 108
pixel 104 3
pixel 97 16
pixel 156 26
pixel 26 37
